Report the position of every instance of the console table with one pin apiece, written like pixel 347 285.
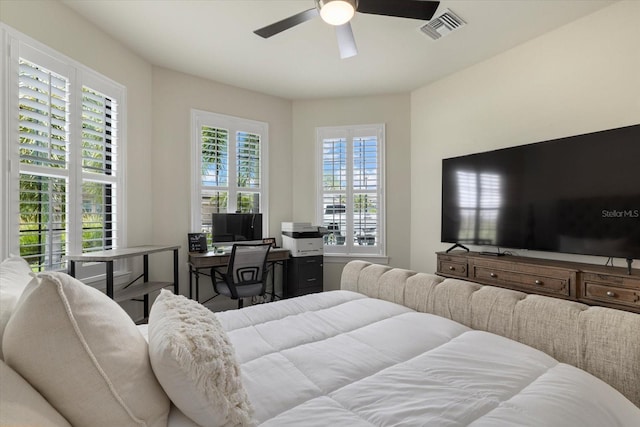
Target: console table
pixel 587 283
pixel 132 290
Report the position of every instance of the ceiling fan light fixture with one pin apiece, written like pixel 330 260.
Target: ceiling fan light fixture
pixel 337 12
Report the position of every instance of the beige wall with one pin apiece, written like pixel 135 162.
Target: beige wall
pixel 174 95
pixel 581 78
pixel 394 112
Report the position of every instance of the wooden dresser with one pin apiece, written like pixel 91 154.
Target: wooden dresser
pixel 587 283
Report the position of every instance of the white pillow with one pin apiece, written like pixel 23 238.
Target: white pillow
pixel 84 354
pixel 22 405
pixel 194 361
pixel 15 274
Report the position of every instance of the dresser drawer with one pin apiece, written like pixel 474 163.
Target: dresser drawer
pixel 452 265
pixel 610 289
pixel 452 268
pixel 519 280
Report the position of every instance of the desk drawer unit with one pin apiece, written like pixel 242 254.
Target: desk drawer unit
pixel 305 275
pixel 527 278
pixel 611 290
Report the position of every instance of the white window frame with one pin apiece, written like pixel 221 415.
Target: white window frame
pixel 339 253
pixel 233 124
pixel 14 46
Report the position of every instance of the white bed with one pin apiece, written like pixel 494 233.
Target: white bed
pixel 392 348
pixel 343 359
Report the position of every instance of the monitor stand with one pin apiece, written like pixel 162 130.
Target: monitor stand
pixel 629 262
pixel 457 245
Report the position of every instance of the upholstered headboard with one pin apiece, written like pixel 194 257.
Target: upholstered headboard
pixel 602 341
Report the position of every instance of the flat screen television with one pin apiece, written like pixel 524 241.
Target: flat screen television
pixel 236 227
pixel 578 195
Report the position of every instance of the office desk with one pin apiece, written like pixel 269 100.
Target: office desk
pixel 205 261
pixel 132 290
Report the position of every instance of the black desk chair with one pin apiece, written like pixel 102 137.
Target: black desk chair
pixel 245 275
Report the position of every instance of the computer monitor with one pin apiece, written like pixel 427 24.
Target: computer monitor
pixel 236 227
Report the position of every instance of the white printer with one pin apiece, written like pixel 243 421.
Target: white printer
pixel 302 239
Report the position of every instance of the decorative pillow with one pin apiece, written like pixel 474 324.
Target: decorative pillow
pixel 15 274
pixel 194 361
pixel 84 354
pixel 22 405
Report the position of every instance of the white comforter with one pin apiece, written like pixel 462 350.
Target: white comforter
pixel 342 359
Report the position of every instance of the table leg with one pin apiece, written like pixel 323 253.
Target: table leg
pixel 176 287
pixel 197 285
pixel 273 281
pixel 110 279
pixel 72 268
pixel 285 277
pixel 145 280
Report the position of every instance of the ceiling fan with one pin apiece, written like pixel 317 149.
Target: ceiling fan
pixel 339 12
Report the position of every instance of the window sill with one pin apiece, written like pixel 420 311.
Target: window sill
pixel 343 258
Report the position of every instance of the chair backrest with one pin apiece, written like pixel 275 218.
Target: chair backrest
pixel 248 263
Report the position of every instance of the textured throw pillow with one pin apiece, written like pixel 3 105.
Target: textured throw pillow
pixel 194 361
pixel 84 354
pixel 22 405
pixel 15 274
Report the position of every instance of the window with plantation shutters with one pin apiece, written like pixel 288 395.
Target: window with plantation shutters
pixel 43 154
pixel 229 157
pixel 350 177
pixel 99 171
pixel 63 150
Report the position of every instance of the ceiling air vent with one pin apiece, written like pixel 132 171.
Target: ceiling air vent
pixel 442 24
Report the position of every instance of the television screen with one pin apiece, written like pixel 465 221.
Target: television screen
pixel 577 195
pixel 236 227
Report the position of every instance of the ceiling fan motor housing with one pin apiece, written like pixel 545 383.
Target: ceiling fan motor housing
pixel 337 12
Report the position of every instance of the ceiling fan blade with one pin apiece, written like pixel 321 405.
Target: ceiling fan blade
pixel 346 41
pixel 285 24
pixel 415 9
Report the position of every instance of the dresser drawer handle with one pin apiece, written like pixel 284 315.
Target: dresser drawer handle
pixel 493 275
pixel 539 282
pixel 312 280
pixel 611 294
pixel 452 268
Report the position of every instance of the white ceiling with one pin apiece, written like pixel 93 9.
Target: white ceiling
pixel 214 39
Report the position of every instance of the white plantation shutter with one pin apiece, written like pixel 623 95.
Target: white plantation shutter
pixel 248 172
pixel 214 173
pixel 43 156
pixel 229 160
pixel 248 160
pixel 365 190
pixel 99 125
pixel 350 177
pixel 334 189
pixel 214 162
